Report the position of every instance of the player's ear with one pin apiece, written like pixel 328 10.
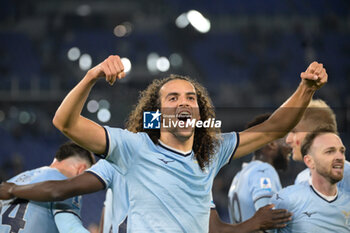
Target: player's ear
pixel 309 161
pixel 81 168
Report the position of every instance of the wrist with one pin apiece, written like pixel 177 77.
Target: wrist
pixel 91 76
pixel 305 93
pixel 307 89
pixel 254 224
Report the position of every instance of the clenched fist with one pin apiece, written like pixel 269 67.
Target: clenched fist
pixel 315 76
pixel 111 68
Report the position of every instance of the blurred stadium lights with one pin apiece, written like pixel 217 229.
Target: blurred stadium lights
pixel 73 53
pixel 182 21
pixel 196 19
pixel 163 64
pixel 123 29
pixel 92 106
pixel 85 62
pixel 119 31
pixel 104 104
pixel 152 62
pixel 127 64
pixel 175 60
pixel 24 117
pixel 128 27
pixel 83 10
pixel 104 115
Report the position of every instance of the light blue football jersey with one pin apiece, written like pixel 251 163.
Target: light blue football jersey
pixel 117 203
pixel 304 176
pixel 168 191
pixel 108 218
pixel 22 216
pixel 256 181
pixel 311 212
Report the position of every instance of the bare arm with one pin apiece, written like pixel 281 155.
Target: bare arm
pixel 287 115
pixel 53 190
pixel 265 218
pixel 68 117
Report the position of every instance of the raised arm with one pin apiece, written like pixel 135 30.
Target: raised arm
pixel 265 218
pixel 53 190
pixel 287 115
pixel 68 119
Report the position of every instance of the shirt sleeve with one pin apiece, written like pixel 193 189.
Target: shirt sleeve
pixel 71 206
pixel 303 177
pixel 228 143
pixel 264 183
pixel 104 171
pixel 212 204
pixel 69 223
pixel 262 202
pixel 123 146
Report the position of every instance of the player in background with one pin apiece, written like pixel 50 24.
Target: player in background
pixel 317 115
pixel 170 171
pixel 319 206
pixel 116 204
pixel 19 215
pixel 103 175
pixel 254 185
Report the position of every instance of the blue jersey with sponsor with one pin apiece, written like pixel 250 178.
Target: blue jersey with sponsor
pixel 168 191
pixel 116 203
pixel 313 213
pixel 304 176
pixel 257 180
pixel 22 216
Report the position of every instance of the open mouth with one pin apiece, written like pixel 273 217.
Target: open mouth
pixel 338 167
pixel 184 116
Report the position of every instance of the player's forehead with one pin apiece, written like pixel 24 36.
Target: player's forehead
pixel 327 140
pixel 176 86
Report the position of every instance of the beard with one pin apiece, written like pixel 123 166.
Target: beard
pixel 329 175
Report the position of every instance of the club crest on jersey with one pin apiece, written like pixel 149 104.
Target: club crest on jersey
pixel 265 183
pixel 151 120
pixel 347 217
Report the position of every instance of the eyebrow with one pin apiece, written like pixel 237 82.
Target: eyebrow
pixel 334 148
pixel 176 93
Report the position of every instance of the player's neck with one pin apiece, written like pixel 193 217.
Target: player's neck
pixel 264 159
pixel 322 185
pixel 180 144
pixel 63 168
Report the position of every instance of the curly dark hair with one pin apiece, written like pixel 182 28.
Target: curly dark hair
pixel 205 139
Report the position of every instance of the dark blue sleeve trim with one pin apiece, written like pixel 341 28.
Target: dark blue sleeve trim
pixel 237 145
pixel 265 196
pixel 99 178
pixel 104 155
pixel 67 211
